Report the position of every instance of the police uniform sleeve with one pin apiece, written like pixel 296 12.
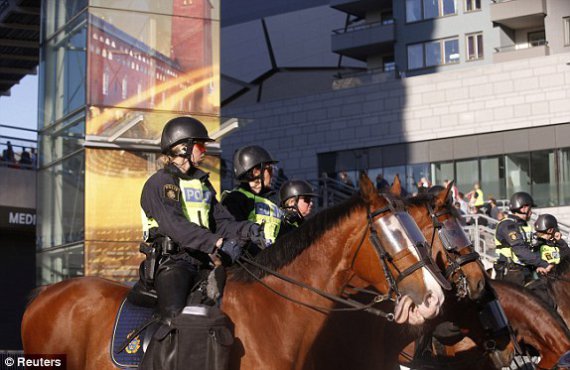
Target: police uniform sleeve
pixel 223 222
pixel 510 234
pixel 160 200
pixel 238 205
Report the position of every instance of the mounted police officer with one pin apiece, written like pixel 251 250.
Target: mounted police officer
pixel 182 218
pixel 253 168
pixel 548 239
pixel 296 201
pixel 513 242
pixel 552 248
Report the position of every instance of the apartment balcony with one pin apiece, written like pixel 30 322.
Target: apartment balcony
pixel 363 40
pixel 517 14
pixel 360 7
pixel 518 52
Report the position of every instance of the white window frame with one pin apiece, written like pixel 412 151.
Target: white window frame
pixel 479 54
pixel 439 11
pixel 442 53
pixel 474 7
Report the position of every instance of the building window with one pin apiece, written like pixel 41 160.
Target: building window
pixel 433 53
pixel 472 5
pixel 475 46
pixel 566 21
pixel 124 88
pixel 417 10
pixel 105 87
pixel 536 38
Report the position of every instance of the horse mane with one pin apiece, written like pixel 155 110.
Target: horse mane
pixel 288 247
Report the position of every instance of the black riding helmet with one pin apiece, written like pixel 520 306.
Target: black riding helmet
pixel 545 222
pixel 248 157
pixel 181 129
pixel 295 188
pixel 519 200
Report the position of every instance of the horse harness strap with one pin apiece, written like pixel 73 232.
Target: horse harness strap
pixel 460 261
pixel 353 305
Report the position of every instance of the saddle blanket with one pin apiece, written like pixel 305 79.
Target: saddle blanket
pixel 129 319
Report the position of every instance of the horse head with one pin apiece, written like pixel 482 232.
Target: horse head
pixel 480 317
pixel 451 248
pixel 392 255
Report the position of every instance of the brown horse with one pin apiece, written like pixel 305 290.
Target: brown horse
pixel 367 237
pixel 534 323
pixel 351 340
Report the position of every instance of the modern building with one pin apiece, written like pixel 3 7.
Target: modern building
pixel 471 90
pixel 111 75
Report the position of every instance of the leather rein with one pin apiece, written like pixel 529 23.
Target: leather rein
pixel 352 305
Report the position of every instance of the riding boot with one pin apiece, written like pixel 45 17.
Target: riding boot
pixel 173 283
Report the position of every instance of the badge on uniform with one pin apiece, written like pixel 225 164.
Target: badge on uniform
pixel 172 191
pixel 513 235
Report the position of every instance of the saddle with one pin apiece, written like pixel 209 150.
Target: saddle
pixel 137 319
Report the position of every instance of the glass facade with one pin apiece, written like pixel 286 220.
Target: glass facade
pixel 545 174
pixel 112 73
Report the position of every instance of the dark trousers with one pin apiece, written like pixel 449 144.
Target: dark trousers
pixel 513 273
pixel 173 282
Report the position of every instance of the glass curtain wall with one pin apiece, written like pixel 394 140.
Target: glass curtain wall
pixel 111 74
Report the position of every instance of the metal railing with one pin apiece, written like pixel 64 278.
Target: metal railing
pixel 532 44
pixel 363 26
pixel 12 154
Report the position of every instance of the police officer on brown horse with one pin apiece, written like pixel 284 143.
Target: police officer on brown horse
pixel 183 220
pixel 296 201
pixel 513 241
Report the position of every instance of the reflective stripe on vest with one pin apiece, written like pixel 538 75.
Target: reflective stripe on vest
pixel 550 254
pixel 196 200
pixel 264 210
pixel 506 250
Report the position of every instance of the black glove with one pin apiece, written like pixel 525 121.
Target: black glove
pixel 257 236
pixel 230 251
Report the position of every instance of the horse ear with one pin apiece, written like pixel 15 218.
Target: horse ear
pixel 396 188
pixel 367 188
pixel 444 195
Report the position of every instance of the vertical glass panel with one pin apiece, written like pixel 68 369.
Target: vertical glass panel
pixel 414 172
pixel 451 51
pixel 62 71
pixel 413 10
pixel 207 9
pixel 442 171
pixel 467 173
pixel 63 138
pixel 61 202
pixel 543 171
pixel 449 7
pixel 415 56
pixel 56 13
pixel 564 168
pixel 566 21
pixel 170 63
pixel 493 177
pixel 431 9
pixel 517 173
pixel 60 264
pixel 479 46
pixel 433 53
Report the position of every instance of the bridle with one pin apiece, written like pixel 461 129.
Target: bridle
pixel 454 257
pixel 385 260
